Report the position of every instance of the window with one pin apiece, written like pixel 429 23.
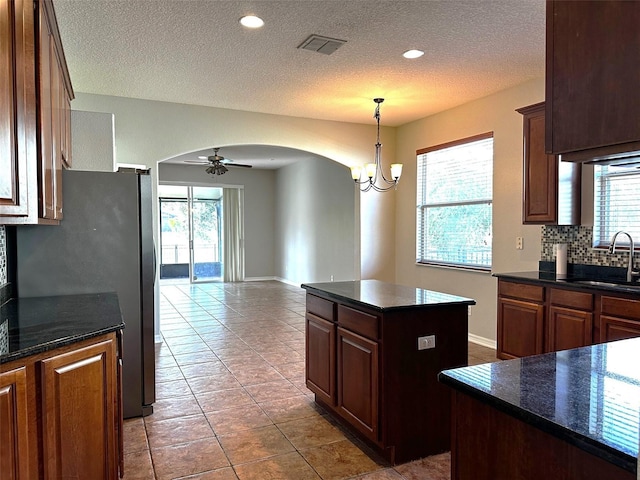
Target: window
pixel 616 202
pixel 454 203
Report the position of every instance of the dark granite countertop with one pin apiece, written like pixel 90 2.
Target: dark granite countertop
pixel 384 296
pixel 577 280
pixel 38 324
pixel 589 396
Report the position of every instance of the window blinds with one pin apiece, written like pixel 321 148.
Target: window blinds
pixel 454 203
pixel 616 204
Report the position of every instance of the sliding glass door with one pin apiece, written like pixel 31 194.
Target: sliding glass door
pixel 190 233
pixel 206 234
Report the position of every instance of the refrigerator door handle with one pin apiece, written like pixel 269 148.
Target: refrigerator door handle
pixel 155 262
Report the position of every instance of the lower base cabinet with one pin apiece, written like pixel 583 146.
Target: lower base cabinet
pixel 14 441
pixel 62 409
pixel 358 382
pixel 534 319
pixel 78 400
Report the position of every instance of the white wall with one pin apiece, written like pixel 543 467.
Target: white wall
pixel 316 228
pixel 493 113
pixel 92 141
pixel 149 131
pixel 259 208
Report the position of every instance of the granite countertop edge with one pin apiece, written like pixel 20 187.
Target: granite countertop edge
pixel 611 455
pixel 57 343
pixel 34 325
pixel 548 278
pixel 336 296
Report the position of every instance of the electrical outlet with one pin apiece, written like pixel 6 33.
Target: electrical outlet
pixel 427 342
pixel 519 243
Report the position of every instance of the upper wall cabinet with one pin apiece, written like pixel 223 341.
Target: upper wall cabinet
pixel 35 113
pixel 551 188
pixel 592 79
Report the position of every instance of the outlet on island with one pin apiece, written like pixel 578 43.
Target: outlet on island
pixel 427 342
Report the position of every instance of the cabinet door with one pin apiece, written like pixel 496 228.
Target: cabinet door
pixel 540 171
pixel 46 101
pixel 520 328
pixel 568 328
pixel 358 382
pixel 592 75
pixel 78 401
pixel 14 454
pixel 320 358
pixel 15 81
pixel 614 328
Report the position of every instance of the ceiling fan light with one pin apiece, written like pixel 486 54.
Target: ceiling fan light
pixel 251 21
pixel 413 54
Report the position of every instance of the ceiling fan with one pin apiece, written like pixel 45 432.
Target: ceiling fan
pixel 217 164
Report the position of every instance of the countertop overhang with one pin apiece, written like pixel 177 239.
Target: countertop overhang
pixel 34 325
pixel 383 296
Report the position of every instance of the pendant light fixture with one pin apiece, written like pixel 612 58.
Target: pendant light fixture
pixel 375 176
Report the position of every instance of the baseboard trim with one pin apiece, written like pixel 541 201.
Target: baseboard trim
pixel 259 279
pixel 485 342
pixel 288 282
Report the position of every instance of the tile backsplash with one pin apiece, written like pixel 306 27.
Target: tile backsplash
pixel 3 255
pixel 580 250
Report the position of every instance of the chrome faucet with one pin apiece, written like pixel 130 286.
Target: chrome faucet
pixel 631 273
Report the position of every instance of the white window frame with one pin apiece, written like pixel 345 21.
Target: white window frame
pixel 423 204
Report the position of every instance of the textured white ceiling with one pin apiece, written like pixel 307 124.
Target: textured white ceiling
pixel 195 52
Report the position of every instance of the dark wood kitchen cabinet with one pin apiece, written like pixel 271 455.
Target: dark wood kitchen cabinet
pixel 35 143
pixel 320 348
pixel 365 368
pixel 14 434
pixel 78 412
pixel 539 318
pixel 551 189
pixel 520 320
pixel 358 374
pixel 592 78
pixel 64 408
pixel 619 318
pixel 570 321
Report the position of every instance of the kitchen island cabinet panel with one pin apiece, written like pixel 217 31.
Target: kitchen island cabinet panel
pixel 358 382
pixel 14 454
pixel 320 358
pixel 491 445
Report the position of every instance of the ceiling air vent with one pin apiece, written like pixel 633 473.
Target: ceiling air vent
pixel 319 44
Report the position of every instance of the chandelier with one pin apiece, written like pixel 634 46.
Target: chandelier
pixel 375 176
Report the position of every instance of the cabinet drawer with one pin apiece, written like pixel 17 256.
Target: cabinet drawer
pixel 321 307
pixel 620 307
pixel 521 290
pixel 571 299
pixel 358 322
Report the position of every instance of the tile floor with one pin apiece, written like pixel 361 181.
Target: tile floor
pixel 231 398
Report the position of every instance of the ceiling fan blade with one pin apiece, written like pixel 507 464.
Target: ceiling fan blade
pixel 196 162
pixel 229 164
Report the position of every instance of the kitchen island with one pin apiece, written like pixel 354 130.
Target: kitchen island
pixel 373 353
pixel 60 379
pixel 571 415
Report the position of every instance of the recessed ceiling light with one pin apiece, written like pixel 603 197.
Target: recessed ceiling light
pixel 413 53
pixel 251 21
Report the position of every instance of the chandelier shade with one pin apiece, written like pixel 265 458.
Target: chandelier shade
pixel 374 176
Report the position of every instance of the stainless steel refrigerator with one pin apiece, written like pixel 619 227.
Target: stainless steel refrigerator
pixel 103 244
